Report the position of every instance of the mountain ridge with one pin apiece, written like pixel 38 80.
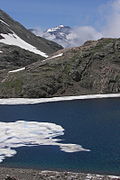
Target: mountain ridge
pixel 19 47
pixel 8 26
pixel 57 34
pixel 93 68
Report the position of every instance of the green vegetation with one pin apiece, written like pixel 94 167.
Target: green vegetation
pixel 92 68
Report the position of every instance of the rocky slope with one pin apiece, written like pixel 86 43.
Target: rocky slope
pixel 12 33
pixel 13 57
pixel 31 174
pixel 19 47
pixel 89 69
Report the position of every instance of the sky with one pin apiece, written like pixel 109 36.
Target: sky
pixel 90 19
pixel 49 13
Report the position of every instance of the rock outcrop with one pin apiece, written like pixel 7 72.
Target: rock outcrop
pixel 89 69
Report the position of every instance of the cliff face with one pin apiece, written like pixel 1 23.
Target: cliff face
pixel 91 68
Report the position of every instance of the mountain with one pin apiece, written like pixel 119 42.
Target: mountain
pixel 88 69
pixel 57 34
pixel 20 47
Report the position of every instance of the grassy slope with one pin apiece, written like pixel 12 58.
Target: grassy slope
pixel 92 68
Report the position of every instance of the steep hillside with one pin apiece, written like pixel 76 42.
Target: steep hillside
pixel 13 33
pixel 15 57
pixel 91 68
pixel 19 47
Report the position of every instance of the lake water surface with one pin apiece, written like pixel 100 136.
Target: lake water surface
pixel 94 124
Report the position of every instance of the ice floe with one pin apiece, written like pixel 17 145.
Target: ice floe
pixel 114 177
pixel 13 101
pixel 32 133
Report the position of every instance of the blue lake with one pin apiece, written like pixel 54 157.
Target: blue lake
pixel 94 124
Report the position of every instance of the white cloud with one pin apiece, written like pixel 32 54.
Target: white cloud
pixel 78 35
pixel 81 34
pixel 38 31
pixel 41 33
pixel 112 27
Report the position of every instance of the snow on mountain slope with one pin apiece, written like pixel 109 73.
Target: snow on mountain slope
pixel 57 34
pixel 13 33
pixel 58 55
pixel 55 28
pixel 17 70
pixel 3 22
pixel 69 37
pixel 53 57
pixel 13 39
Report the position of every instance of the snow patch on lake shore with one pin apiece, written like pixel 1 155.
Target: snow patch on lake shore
pixel 15 101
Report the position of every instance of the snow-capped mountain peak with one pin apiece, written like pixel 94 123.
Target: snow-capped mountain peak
pixel 55 28
pixel 57 34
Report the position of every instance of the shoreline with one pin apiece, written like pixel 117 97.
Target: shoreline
pixel 36 174
pixel 18 101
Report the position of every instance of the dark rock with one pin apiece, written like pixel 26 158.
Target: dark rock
pixel 89 69
pixel 10 178
pixel 13 57
pixel 75 75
